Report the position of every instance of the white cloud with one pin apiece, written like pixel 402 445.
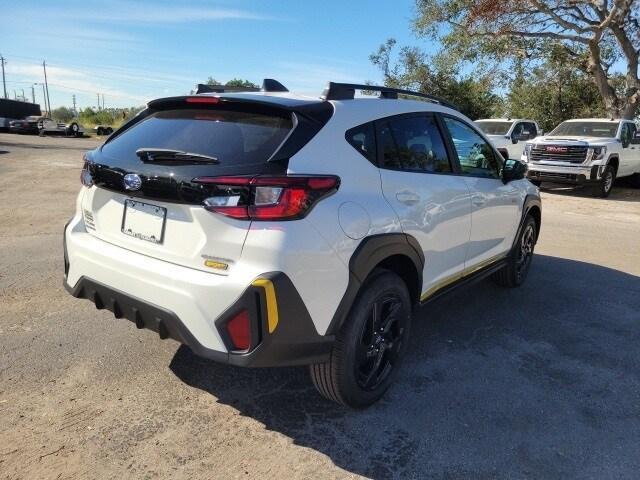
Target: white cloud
pixel 68 79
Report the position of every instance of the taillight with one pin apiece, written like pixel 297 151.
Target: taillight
pixel 267 197
pixel 85 175
pixel 239 330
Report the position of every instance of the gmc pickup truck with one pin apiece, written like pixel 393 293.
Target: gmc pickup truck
pixel 591 151
pixel 509 135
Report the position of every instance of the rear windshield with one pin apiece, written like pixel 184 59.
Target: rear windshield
pixel 234 138
pixel 588 129
pixel 494 128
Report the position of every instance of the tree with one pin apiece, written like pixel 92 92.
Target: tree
pixel 235 82
pixel 62 114
pixel 594 34
pixel 551 93
pixel 412 69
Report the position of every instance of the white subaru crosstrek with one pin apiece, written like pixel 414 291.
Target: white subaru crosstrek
pixel 267 229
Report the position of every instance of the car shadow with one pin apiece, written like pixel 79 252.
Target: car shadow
pixel 541 381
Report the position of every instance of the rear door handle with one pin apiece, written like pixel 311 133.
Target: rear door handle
pixel 408 198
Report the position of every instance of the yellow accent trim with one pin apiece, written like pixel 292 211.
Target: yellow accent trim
pixel 272 304
pixel 458 276
pixel 214 264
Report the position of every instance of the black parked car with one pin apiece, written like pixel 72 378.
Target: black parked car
pixel 27 125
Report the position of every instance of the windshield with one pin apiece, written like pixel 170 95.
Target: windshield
pixel 232 138
pixel 494 128
pixel 586 129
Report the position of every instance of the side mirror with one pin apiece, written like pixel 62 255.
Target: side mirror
pixel 513 170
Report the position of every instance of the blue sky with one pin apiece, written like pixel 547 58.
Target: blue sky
pixel 135 51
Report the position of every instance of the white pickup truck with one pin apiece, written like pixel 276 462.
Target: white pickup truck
pixel 586 151
pixel 509 135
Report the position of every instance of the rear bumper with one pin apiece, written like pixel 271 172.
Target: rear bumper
pixel 192 307
pixel 577 175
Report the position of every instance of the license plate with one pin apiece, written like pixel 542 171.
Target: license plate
pixel 144 221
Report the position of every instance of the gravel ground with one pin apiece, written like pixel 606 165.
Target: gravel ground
pixel 537 382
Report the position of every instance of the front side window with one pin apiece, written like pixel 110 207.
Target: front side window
pixel 413 143
pixel 627 134
pixel 476 156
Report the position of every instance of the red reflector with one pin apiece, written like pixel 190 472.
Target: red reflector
pixel 239 329
pixel 202 100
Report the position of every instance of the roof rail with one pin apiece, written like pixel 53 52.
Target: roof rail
pixel 268 85
pixel 347 91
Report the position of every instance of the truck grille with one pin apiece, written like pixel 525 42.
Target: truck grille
pixel 559 153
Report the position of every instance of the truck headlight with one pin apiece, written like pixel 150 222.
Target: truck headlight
pixel 597 153
pixel 527 151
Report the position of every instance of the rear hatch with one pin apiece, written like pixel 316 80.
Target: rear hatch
pixel 146 198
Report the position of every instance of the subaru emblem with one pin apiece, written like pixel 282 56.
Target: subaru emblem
pixel 132 181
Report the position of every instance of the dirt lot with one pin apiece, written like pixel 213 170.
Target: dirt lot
pixel 539 382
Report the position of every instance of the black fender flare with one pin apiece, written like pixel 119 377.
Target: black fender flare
pixel 530 201
pixel 369 253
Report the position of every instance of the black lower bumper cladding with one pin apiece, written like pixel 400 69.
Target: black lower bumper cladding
pixel 295 341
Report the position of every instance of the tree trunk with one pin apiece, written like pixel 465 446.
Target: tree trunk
pixel 594 67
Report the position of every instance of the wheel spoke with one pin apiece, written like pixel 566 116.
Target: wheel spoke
pixel 374 369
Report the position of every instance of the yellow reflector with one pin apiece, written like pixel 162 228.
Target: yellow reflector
pixel 272 304
pixel 214 264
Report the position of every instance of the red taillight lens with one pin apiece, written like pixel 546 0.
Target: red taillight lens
pixel 267 197
pixel 239 329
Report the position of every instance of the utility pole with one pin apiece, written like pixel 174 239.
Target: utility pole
pixel 98 100
pixel 4 83
pixel 103 101
pixel 46 85
pixel 24 99
pixel 74 104
pixel 33 94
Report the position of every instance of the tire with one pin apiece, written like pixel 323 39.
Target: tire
pixel 41 133
pixel 74 129
pixel 603 188
pixel 364 359
pixel 100 131
pixel 519 260
pixel 108 131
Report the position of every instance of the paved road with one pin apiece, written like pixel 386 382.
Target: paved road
pixel 538 382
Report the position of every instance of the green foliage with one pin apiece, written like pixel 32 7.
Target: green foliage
pixel 591 36
pixel 111 116
pixel 234 82
pixel 62 114
pixel 551 93
pixel 412 69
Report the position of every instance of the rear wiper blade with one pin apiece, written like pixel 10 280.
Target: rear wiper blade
pixel 152 154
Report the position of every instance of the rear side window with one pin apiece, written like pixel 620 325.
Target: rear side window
pixel 413 143
pixel 234 138
pixel 363 139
